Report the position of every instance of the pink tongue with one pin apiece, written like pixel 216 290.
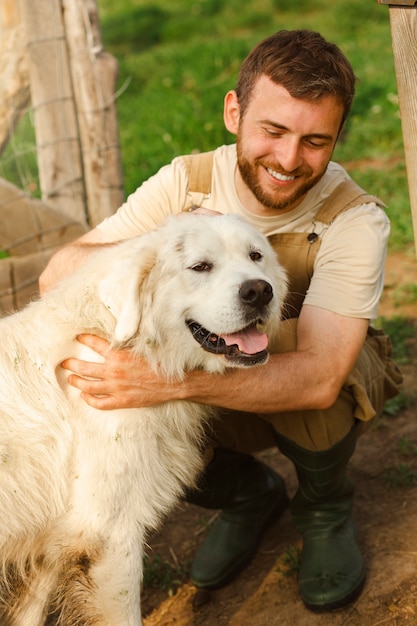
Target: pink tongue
pixel 249 341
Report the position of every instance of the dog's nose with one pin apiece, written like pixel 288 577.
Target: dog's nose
pixel 256 293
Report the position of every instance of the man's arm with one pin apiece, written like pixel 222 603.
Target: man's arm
pixel 69 258
pixel 309 377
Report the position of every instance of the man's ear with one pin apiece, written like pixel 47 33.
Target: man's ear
pixel 231 112
pixel 120 289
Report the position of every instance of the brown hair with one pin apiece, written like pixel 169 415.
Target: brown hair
pixel 302 61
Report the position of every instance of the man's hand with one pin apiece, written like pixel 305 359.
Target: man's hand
pixel 123 380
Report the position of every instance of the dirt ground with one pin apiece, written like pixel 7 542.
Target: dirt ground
pixel 384 469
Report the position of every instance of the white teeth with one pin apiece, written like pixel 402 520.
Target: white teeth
pixel 279 176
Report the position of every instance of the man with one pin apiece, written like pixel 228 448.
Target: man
pixel 331 373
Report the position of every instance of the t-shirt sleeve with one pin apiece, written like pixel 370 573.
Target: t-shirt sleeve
pixel 146 208
pixel 349 269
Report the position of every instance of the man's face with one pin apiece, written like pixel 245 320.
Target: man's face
pixel 283 145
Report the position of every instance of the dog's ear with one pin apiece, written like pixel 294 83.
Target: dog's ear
pixel 120 289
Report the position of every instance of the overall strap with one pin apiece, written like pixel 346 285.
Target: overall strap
pixel 346 196
pixel 298 251
pixel 199 169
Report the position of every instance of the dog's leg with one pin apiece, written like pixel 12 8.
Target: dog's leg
pixel 118 581
pixel 31 600
pixel 100 586
pixel 73 601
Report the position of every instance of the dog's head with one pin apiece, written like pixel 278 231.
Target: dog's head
pixel 201 291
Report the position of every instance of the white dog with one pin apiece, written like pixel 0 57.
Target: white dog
pixel 79 488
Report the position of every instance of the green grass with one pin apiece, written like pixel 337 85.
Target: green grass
pixel 177 59
pixel 289 562
pixel 401 475
pixel 402 332
pixel 402 336
pixel 404 473
pixel 18 162
pixel 161 574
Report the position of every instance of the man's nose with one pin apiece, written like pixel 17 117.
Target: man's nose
pixel 290 153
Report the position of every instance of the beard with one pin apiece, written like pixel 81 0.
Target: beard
pixel 277 200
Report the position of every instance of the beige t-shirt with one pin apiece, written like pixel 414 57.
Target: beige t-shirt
pixel 349 269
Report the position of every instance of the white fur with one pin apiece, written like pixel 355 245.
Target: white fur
pixel 79 488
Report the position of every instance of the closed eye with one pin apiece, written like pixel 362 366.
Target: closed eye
pixel 202 266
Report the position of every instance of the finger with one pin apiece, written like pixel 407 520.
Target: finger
pixel 88 369
pixel 102 402
pixel 98 344
pixel 95 387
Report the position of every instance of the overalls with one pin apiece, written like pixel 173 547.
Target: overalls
pixel 375 377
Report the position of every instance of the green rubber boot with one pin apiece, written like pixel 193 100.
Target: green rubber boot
pixel 252 497
pixel 332 570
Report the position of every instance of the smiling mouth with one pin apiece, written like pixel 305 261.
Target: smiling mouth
pixel 279 176
pixel 247 346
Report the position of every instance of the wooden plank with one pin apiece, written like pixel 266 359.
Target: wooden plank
pixel 19 280
pixel 14 84
pixel 398 2
pixel 404 43
pixel 57 137
pixel 30 225
pixel 31 231
pixel 94 74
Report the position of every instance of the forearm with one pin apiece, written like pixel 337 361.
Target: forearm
pixel 65 262
pixel 306 378
pixel 286 383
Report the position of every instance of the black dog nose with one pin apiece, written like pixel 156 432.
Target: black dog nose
pixel 256 293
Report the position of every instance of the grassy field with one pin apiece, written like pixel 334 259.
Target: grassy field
pixel 177 59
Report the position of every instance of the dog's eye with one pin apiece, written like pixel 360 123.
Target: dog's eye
pixel 255 255
pixel 203 266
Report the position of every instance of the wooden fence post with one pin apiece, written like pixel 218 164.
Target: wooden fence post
pixel 14 84
pixel 94 74
pixel 72 82
pixel 403 19
pixel 57 138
